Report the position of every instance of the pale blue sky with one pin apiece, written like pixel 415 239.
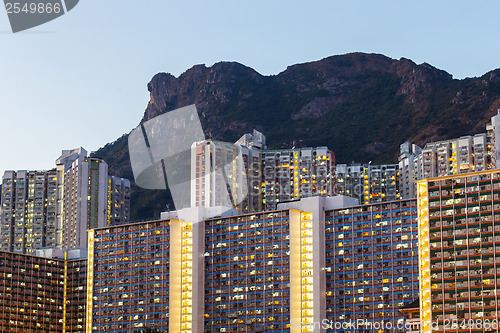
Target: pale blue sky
pixel 80 80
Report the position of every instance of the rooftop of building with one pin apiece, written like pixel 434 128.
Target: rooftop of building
pixel 53 255
pixel 461 175
pixel 377 204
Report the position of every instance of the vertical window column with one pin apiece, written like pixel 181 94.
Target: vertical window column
pixel 424 258
pixel 187 277
pixel 306 265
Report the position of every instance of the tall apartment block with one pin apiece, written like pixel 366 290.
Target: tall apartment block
pixel 226 174
pixel 370 183
pixel 292 174
pixel 251 146
pixel 252 273
pixel 449 157
pixel 56 207
pixel 76 291
pixel 493 135
pixel 247 177
pixel 118 201
pixel 459 233
pixel 85 199
pixel 301 268
pixel 409 169
pixel 28 211
pixel 128 277
pixel 42 294
pixel 371 265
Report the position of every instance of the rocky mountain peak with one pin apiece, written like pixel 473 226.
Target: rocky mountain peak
pixel 362 106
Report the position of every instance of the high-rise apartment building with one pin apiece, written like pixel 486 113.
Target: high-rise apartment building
pixel 371 265
pixel 493 136
pixel 463 155
pixel 305 267
pixel 350 180
pixel 459 233
pixel 251 146
pixel 85 200
pixel 246 176
pixel 63 164
pixel 443 158
pixel 118 201
pixel 227 174
pixel 42 294
pixel 292 174
pixel 128 277
pixel 76 291
pixel 369 183
pixel 409 169
pixel 56 207
pixel 28 211
pixel 252 272
pixel 449 157
pixel 248 272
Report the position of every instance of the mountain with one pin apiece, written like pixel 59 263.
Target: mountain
pixel 362 106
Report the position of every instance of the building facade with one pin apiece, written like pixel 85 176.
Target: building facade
pixel 56 207
pixel 305 267
pixel 128 277
pixel 85 200
pixel 292 174
pixel 459 233
pixel 40 294
pixel 28 211
pixel 227 174
pixel 76 293
pixel 371 265
pixel 449 157
pixel 249 178
pixel 409 169
pixel 247 273
pixel 88 197
pixel 250 272
pixel 369 183
pixel 118 201
pixel 302 268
